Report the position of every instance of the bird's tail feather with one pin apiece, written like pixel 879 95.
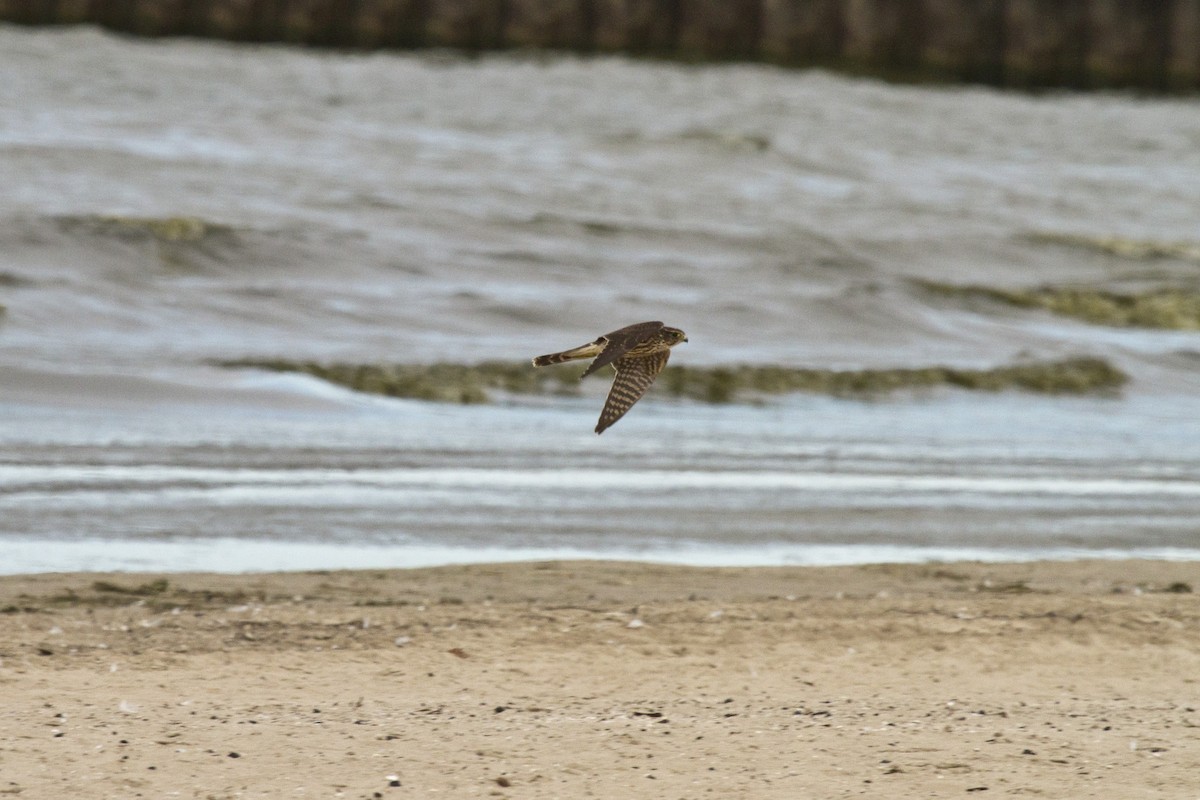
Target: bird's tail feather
pixel 583 351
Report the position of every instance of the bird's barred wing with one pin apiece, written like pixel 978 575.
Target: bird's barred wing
pixel 634 376
pixel 620 342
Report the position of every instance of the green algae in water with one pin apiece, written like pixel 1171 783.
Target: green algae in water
pixel 723 385
pixel 1171 308
pixel 1133 249
pixel 182 244
pixel 461 383
pixel 165 229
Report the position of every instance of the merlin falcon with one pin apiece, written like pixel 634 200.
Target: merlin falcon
pixel 637 352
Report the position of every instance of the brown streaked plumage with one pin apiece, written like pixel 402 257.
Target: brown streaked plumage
pixel 638 353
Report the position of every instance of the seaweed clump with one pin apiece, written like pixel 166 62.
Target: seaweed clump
pixel 181 244
pixel 1082 375
pixel 460 383
pixel 1134 249
pixel 1168 308
pixel 164 229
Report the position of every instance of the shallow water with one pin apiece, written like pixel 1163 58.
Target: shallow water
pixel 421 207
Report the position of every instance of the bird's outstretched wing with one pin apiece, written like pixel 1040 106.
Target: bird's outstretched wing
pixel 620 342
pixel 634 376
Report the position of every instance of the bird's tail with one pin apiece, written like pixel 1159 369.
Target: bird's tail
pixel 583 351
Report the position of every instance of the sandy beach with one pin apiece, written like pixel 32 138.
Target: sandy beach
pixel 600 679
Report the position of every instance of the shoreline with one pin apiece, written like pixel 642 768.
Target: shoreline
pixel 125 557
pixel 579 679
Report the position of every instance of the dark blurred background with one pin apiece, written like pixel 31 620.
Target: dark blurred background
pixel 1147 44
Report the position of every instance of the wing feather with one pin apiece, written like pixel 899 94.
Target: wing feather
pixel 634 376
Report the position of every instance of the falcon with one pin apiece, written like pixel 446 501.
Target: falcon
pixel 638 353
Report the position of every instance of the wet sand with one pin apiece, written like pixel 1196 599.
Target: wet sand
pixel 598 679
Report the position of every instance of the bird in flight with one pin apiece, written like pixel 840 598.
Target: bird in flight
pixel 638 352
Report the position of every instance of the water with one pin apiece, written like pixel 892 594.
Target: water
pixel 423 207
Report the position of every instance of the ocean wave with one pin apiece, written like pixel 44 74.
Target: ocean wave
pixel 461 383
pixel 183 244
pixel 75 249
pixel 737 141
pixel 59 249
pixel 722 138
pixel 164 229
pixel 1170 308
pixel 11 280
pixel 1124 247
pixel 227 554
pixel 217 390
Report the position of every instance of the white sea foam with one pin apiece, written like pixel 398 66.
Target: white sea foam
pixel 318 485
pixel 249 555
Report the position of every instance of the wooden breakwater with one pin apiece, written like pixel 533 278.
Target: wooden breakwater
pixel 1148 44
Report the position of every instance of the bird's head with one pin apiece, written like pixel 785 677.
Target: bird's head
pixel 674 334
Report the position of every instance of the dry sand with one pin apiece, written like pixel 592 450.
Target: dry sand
pixel 565 680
